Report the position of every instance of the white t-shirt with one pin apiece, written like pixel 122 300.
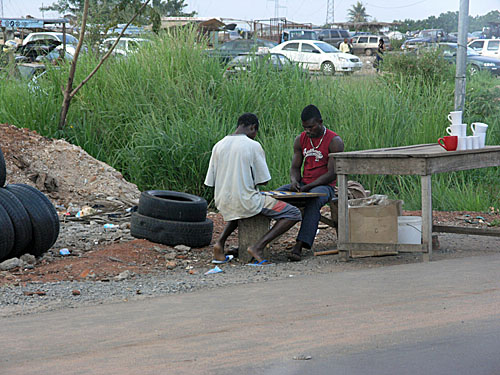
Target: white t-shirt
pixel 237 165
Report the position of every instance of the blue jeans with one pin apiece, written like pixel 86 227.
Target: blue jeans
pixel 310 219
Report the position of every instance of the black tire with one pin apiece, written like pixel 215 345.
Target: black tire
pixel 328 68
pixel 3 172
pixel 172 233
pixel 6 234
pixel 20 221
pixel 368 52
pixel 43 217
pixel 172 205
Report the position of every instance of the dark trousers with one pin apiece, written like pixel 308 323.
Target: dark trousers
pixel 311 216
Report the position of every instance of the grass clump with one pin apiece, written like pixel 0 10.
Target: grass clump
pixel 156 115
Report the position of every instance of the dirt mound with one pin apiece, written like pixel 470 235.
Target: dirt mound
pixel 64 172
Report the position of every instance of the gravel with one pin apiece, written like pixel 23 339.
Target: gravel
pixel 34 297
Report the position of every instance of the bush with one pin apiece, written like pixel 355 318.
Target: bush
pixel 429 67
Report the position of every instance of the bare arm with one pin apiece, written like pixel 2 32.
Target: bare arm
pixel 336 145
pixel 295 170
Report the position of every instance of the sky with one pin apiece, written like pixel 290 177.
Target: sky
pixel 310 11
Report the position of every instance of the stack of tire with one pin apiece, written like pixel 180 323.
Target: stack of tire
pixel 172 218
pixel 28 220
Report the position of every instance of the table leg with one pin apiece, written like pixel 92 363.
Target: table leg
pixel 427 217
pixel 343 232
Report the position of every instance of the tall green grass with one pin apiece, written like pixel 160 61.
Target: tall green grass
pixel 156 115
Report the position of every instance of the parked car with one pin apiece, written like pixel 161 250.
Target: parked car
pixel 428 36
pixel 71 41
pixel 319 56
pixel 475 62
pixel 333 36
pixel 39 50
pixel 293 34
pixel 368 44
pixel 247 62
pixel 227 51
pixel 486 47
pixel 124 46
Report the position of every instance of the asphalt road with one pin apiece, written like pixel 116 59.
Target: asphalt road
pixel 440 317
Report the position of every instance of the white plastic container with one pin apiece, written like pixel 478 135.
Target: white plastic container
pixel 410 229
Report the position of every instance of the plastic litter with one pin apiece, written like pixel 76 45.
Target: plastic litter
pixel 216 269
pixel 110 226
pixel 64 251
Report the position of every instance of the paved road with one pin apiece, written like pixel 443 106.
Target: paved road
pixel 430 318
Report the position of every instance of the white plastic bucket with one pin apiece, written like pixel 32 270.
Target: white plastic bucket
pixel 410 229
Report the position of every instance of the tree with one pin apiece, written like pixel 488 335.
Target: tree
pixel 358 13
pixel 69 92
pixel 171 8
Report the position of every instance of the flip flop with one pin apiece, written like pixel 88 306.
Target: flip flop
pixel 228 259
pixel 264 263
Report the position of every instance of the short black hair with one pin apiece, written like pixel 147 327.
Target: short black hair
pixel 310 112
pixel 247 119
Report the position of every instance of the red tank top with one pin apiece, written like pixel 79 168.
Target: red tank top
pixel 315 156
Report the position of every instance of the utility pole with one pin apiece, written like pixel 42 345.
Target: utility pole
pixel 330 12
pixel 460 80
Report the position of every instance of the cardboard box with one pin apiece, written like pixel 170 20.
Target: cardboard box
pixel 374 224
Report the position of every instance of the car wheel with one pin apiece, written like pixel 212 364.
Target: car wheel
pixel 172 205
pixel 328 68
pixel 43 216
pixel 172 233
pixel 473 69
pixel 368 52
pixel 2 170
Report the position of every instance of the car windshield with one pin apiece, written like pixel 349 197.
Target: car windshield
pixel 327 48
pixel 70 39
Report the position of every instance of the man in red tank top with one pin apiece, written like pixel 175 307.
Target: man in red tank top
pixel 310 151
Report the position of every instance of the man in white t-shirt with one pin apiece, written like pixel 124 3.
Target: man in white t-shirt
pixel 237 166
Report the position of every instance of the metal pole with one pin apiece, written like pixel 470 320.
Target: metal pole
pixel 460 84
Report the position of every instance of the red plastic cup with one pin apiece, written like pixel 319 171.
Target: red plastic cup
pixel 449 143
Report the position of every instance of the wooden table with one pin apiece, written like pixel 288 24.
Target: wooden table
pixel 423 160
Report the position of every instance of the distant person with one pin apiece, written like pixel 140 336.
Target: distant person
pixel 380 52
pixel 345 47
pixel 310 153
pixel 237 166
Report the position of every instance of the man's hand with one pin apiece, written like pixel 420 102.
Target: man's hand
pixel 295 186
pixel 305 188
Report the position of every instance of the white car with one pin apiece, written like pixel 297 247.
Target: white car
pixel 71 41
pixel 486 47
pixel 318 55
pixel 124 46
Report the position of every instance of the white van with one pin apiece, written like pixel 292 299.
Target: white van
pixel 486 47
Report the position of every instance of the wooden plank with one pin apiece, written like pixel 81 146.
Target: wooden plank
pixel 291 194
pixel 427 216
pixel 327 252
pixel 461 230
pixel 384 166
pixel 424 150
pixel 463 161
pixel 249 231
pixel 394 247
pixel 343 231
